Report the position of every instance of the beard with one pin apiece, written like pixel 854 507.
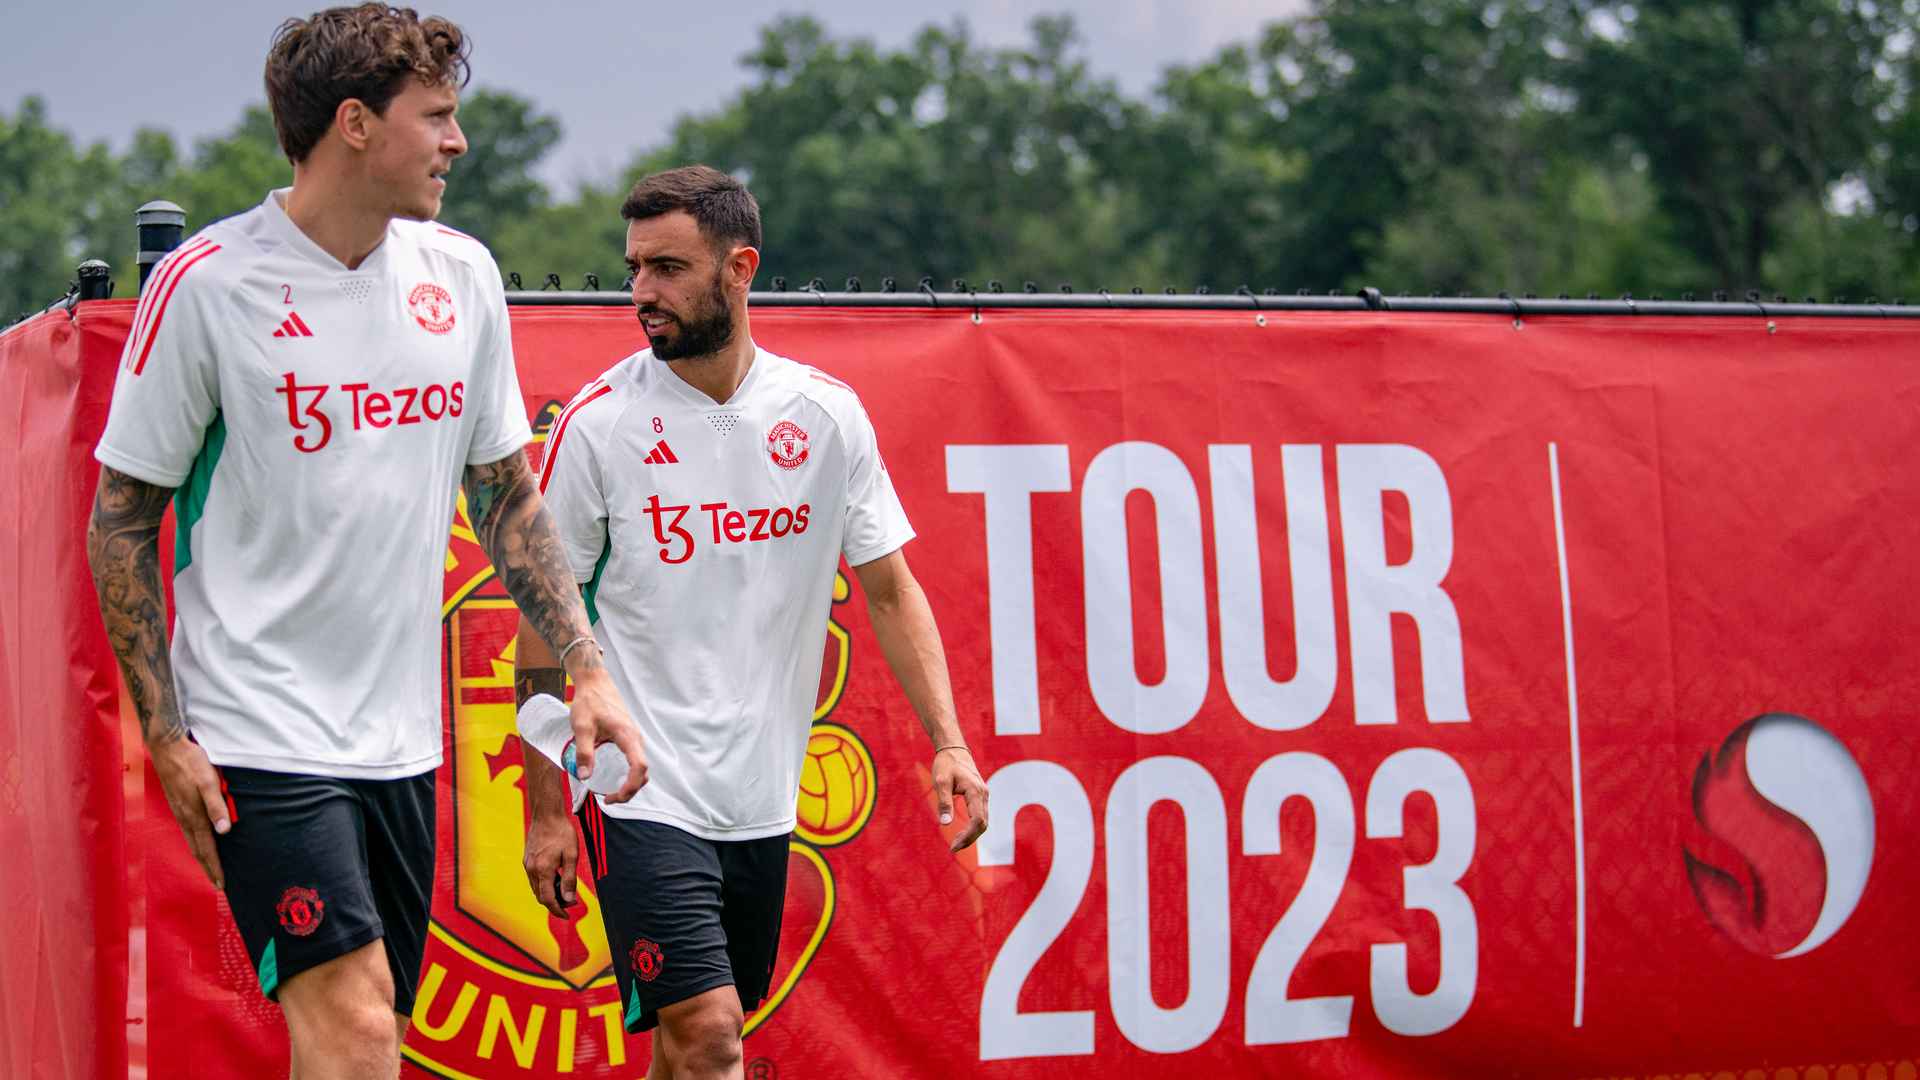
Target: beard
pixel 705 332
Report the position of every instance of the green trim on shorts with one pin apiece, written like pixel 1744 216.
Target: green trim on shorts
pixel 190 500
pixel 633 1006
pixel 269 972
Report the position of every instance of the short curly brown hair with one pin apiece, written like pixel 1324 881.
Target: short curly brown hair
pixel 366 52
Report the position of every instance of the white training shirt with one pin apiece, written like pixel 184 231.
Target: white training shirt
pixel 707 537
pixel 315 421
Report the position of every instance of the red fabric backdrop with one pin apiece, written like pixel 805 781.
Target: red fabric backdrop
pixel 63 895
pixel 1261 628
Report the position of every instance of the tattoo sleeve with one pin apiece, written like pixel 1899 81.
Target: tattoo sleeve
pixel 530 681
pixel 519 536
pixel 123 548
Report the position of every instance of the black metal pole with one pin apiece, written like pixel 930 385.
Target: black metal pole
pixel 96 280
pixel 161 226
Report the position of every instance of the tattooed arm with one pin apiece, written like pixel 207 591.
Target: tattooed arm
pixel 519 536
pixel 553 848
pixel 123 547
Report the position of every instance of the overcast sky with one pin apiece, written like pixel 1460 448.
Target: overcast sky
pixel 616 74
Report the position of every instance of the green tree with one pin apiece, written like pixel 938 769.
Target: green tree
pixel 493 185
pixel 229 173
pixel 1820 254
pixel 1288 160
pixel 1567 226
pixel 1420 145
pixel 1894 210
pixel 1214 177
pixel 580 236
pixel 942 159
pixel 1744 110
pixel 50 208
pixel 1387 102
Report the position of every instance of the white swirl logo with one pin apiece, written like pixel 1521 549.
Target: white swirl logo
pixel 1789 835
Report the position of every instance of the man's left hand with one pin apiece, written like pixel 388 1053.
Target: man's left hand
pixel 954 774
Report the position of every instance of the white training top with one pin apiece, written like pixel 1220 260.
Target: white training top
pixel 707 537
pixel 315 421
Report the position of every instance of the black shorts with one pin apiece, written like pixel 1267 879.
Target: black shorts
pixel 685 915
pixel 318 866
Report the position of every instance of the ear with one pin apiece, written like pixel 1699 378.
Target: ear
pixel 742 264
pixel 354 121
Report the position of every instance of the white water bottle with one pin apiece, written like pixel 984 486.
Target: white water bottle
pixel 545 725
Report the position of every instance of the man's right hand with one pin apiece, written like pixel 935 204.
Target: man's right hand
pixel 551 862
pixel 599 716
pixel 193 794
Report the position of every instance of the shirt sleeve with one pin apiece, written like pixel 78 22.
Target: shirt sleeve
pixel 167 392
pixel 571 484
pixel 876 522
pixel 500 422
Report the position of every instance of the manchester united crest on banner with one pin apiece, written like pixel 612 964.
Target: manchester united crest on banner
pixel 508 989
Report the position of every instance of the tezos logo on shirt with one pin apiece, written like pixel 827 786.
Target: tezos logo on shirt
pixel 787 445
pixel 403 405
pixel 431 307
pixel 730 525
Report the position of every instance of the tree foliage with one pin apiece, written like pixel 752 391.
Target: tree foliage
pixel 1578 146
pixel 53 208
pixel 943 159
pixel 1743 110
pixel 493 185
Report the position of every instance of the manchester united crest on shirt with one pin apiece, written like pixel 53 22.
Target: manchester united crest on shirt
pixel 787 445
pixel 431 307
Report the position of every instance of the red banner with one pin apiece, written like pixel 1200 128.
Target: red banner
pixel 64 912
pixel 1366 695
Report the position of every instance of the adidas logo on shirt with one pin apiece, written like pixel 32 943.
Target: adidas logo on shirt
pixel 293 326
pixel 662 455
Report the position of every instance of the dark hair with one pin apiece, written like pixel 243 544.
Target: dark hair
pixel 722 206
pixel 366 52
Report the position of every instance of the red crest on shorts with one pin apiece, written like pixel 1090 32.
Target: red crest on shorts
pixel 301 910
pixel 787 445
pixel 431 307
pixel 646 959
